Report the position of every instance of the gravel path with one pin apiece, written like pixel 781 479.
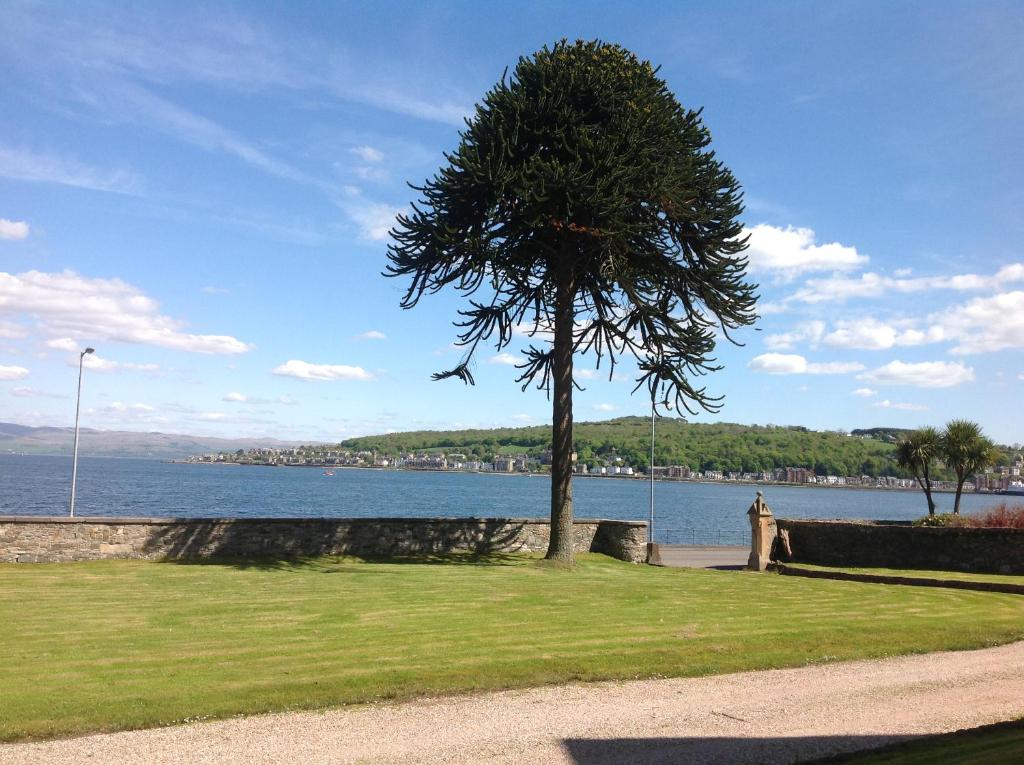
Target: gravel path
pixel 752 717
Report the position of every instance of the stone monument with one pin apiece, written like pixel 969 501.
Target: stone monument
pixel 762 534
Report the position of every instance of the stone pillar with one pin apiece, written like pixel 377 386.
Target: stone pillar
pixel 762 534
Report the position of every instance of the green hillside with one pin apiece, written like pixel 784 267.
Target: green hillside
pixel 717 446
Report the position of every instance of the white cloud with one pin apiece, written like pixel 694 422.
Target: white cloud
pixel 71 305
pixel 13 229
pixel 887 404
pixel 26 165
pixel 790 252
pixel 522 417
pixel 100 364
pixel 236 397
pixel 585 374
pixel 373 219
pixel 12 373
pixel 868 285
pixel 604 407
pixel 117 406
pixel 303 370
pixel 368 153
pixel 210 416
pixel 924 374
pixel 287 400
pixel 865 392
pixel 64 344
pixel 211 290
pixel 984 325
pixel 1011 273
pixel 372 334
pixel 870 334
pixel 506 359
pixel 810 331
pixel 10 330
pixel 793 364
pixel 33 393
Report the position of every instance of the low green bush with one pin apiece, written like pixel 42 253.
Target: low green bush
pixel 942 519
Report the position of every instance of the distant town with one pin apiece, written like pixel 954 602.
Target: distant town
pixel 1000 479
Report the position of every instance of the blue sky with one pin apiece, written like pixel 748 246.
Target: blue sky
pixel 203 195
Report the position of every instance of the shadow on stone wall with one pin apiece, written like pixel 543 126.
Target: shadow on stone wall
pixel 249 540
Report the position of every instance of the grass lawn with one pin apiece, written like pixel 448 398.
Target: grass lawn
pixel 121 644
pixel 1000 744
pixel 913 573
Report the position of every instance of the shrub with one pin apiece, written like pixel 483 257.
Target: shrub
pixel 942 519
pixel 1004 516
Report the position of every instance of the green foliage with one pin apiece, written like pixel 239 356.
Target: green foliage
pixel 719 446
pixel 940 519
pixel 581 176
pixel 965 450
pixel 916 453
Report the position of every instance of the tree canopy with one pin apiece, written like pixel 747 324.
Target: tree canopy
pixel 584 206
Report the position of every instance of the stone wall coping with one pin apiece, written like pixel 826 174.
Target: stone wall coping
pixel 905 524
pixel 134 521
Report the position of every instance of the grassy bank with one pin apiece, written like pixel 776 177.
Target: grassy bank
pixel 122 644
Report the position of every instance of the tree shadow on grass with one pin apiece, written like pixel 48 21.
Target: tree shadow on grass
pixel 719 749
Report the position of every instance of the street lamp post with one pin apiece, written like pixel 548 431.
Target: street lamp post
pixel 78 406
pixel 652 551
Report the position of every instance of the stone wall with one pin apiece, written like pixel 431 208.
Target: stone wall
pixel 893 544
pixel 38 539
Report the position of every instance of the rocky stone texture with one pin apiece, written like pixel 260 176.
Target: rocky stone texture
pixel 35 539
pixel 893 544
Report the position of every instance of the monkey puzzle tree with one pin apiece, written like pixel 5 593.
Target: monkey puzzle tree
pixel 583 204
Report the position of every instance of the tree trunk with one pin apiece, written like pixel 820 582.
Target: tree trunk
pixel 959 490
pixel 927 486
pixel 560 547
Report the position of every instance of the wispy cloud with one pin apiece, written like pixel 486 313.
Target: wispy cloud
pixel 372 334
pixel 887 404
pixel 924 374
pixel 793 364
pixel 25 392
pixel 99 363
pixel 13 229
pixel 12 373
pixel 505 359
pixel 303 370
pixel 368 154
pixel 373 220
pixel 28 165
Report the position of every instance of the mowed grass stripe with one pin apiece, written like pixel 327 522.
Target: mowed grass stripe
pixel 121 644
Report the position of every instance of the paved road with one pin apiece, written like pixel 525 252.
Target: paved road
pixel 750 717
pixel 704 556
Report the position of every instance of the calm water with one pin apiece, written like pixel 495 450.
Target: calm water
pixel 685 512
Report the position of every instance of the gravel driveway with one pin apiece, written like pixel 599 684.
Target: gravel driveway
pixel 754 717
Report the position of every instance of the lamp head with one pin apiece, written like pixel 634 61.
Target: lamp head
pixel 88 350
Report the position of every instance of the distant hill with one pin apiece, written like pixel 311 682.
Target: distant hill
pixel 713 446
pixel 117 443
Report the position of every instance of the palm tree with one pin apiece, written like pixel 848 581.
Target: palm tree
pixel 966 450
pixel 915 453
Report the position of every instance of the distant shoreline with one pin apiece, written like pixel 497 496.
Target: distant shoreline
pixel 635 477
